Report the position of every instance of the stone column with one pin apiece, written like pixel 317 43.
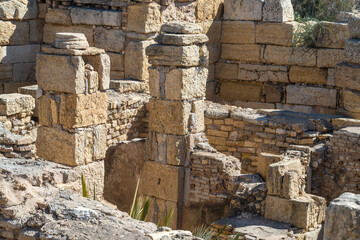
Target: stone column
pixel 177 86
pixel 73 108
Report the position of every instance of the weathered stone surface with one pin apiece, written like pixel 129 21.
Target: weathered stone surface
pixel 169 117
pixel 354 27
pixel 209 10
pixel 24 72
pixel 19 54
pixel 73 149
pixel 308 75
pixel 331 35
pixel 183 39
pixel 330 57
pixel 304 212
pixel 96 17
pixel 265 160
pixel 243 10
pixel 289 56
pixel 126 85
pixel 82 110
pixel 347 76
pixel 101 64
pixel 70 41
pixel 112 40
pixel 91 51
pixel 263 73
pixel 352 51
pixel 144 18
pixel 186 56
pixel 351 101
pixel 136 60
pixel 278 11
pixel 162 181
pixel 11 104
pixel 273 93
pixel 117 61
pixel 341 221
pixel 181 28
pixel 18 9
pixel 313 96
pixel 58 16
pixel 226 71
pixel 238 32
pixel 50 31
pixel 276 33
pixel 36 30
pixel 246 52
pixel 69 78
pixel 240 91
pixel 14 33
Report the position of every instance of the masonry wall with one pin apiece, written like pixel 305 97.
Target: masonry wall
pixel 21 24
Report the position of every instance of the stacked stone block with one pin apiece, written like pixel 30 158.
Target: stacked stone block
pixel 260 68
pixel 347 73
pixel 73 108
pixel 17 129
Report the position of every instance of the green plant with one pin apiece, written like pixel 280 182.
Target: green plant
pixel 204 232
pixel 308 33
pixel 140 207
pixel 83 185
pixel 165 218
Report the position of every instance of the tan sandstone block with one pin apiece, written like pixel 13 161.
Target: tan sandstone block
pixel 352 101
pixel 264 161
pixel 101 64
pixel 50 31
pixel 308 75
pixel 73 149
pixel 246 52
pixel 162 181
pixel 226 71
pixel 136 61
pixel 197 117
pixel 82 110
pixel 263 73
pixel 313 96
pixel 14 33
pixel 48 110
pixel 186 56
pixel 61 73
pixel 352 51
pixel 169 117
pixel 14 103
pixel 276 33
pixel 331 34
pixel 144 18
pixel 176 150
pixel 347 76
pixel 291 185
pixel 212 29
pixel 208 9
pixel 160 208
pixel 241 91
pixel 58 16
pixel 243 10
pixel 238 32
pixel 289 56
pixel 278 11
pixel 330 57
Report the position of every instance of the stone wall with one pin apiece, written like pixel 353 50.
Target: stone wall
pixel 21 24
pixel 260 68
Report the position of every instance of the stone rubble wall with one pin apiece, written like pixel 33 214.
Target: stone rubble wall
pixel 21 24
pixel 260 69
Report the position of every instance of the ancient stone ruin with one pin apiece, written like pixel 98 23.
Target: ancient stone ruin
pixel 210 109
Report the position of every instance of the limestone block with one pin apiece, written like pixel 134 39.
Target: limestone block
pixel 123 86
pixel 276 172
pixel 181 27
pixel 169 117
pixel 263 73
pixel 316 76
pixel 144 18
pixel 70 41
pixel 185 83
pixel 278 11
pixel 18 9
pixel 246 52
pixel 162 181
pixel 273 93
pixel 176 150
pixel 291 185
pixel 243 10
pixel 197 117
pixel 19 54
pixel 112 40
pixel 276 33
pixel 82 110
pixel 329 57
pixel 36 30
pixel 136 61
pixel 96 17
pixel 6 72
pixel 68 78
pixel 241 91
pixel 50 31
pixel 186 56
pixel 354 27
pixel 73 149
pixel 208 10
pixel 154 83
pixel 183 39
pixel 32 91
pixel 49 110
pixel 289 56
pixel 58 16
pixel 72 52
pixel 313 96
pixel 24 72
pixel 347 76
pixel 331 34
pixel 264 161
pixel 13 87
pixel 341 221
pixel 212 29
pixel 14 103
pixel 352 51
pixel 117 61
pixel 226 71
pixel 101 64
pixel 238 32
pixel 304 212
pixel 352 101
pixel 14 33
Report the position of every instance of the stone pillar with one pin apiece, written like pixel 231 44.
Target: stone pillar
pixel 72 111
pixel 177 86
pixel 347 74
